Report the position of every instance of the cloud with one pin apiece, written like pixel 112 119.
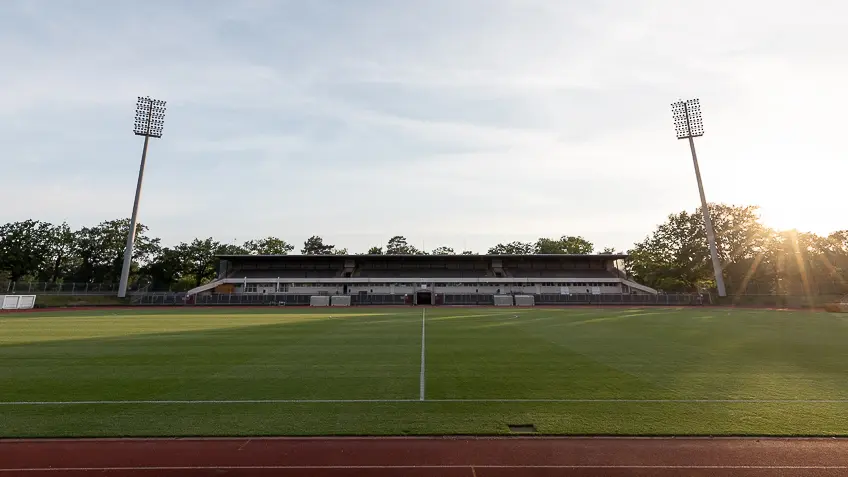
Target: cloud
pixel 471 121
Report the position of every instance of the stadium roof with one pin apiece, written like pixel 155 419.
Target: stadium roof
pixel 420 257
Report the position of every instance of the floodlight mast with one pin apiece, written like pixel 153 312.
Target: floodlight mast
pixel 149 121
pixel 689 125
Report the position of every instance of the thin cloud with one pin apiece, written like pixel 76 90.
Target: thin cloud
pixel 472 120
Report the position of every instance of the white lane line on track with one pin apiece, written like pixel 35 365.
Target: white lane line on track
pixel 449 466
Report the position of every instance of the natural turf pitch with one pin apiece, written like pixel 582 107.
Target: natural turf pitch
pixel 274 371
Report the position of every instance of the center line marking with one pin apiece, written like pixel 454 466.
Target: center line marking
pixel 421 380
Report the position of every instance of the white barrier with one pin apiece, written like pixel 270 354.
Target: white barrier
pixel 525 300
pixel 17 302
pixel 340 300
pixel 503 300
pixel 319 301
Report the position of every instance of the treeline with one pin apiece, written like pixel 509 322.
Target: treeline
pixel 675 257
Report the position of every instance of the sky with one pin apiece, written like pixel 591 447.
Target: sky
pixel 452 122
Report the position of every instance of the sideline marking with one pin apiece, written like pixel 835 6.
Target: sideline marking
pixel 354 401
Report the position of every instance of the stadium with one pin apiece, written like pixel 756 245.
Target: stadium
pixel 421 279
pixel 603 319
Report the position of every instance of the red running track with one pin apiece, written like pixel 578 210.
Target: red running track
pixel 413 457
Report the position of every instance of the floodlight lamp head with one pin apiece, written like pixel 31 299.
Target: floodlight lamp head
pixel 149 117
pixel 687 118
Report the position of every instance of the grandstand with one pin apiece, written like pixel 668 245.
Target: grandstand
pixel 419 279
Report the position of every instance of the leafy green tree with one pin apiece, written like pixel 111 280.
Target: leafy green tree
pixel 231 249
pixel 62 241
pixel 166 268
pixel 24 247
pixel 512 248
pixel 564 245
pixel 315 246
pixel 100 250
pixel 398 245
pixel 268 246
pixel 375 251
pixel 674 257
pixel 198 258
pixel 443 251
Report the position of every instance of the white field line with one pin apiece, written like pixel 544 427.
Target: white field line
pixel 421 377
pixel 446 466
pixel 389 401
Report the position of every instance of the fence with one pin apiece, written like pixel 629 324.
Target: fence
pixel 377 300
pixel 615 299
pixel 252 299
pixel 50 288
pixel 468 300
pixel 448 299
pixel 158 299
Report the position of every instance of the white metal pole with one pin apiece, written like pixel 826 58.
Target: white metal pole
pixel 125 271
pixel 708 223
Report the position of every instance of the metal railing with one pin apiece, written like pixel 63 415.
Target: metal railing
pixel 273 299
pixel 66 288
pixel 623 299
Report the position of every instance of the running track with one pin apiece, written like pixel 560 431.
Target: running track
pixel 413 457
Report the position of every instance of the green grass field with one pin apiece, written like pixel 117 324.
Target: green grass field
pixel 273 371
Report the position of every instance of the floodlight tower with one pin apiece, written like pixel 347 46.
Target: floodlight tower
pixel 689 125
pixel 149 121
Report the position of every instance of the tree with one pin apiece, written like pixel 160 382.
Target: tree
pixel 268 246
pixel 231 249
pixel 443 251
pixel 467 252
pixel 512 248
pixel 375 251
pixel 24 246
pixel 675 257
pixel 61 243
pixel 398 246
pixel 608 251
pixel 100 250
pixel 198 258
pixel 315 246
pixel 166 268
pixel 565 245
